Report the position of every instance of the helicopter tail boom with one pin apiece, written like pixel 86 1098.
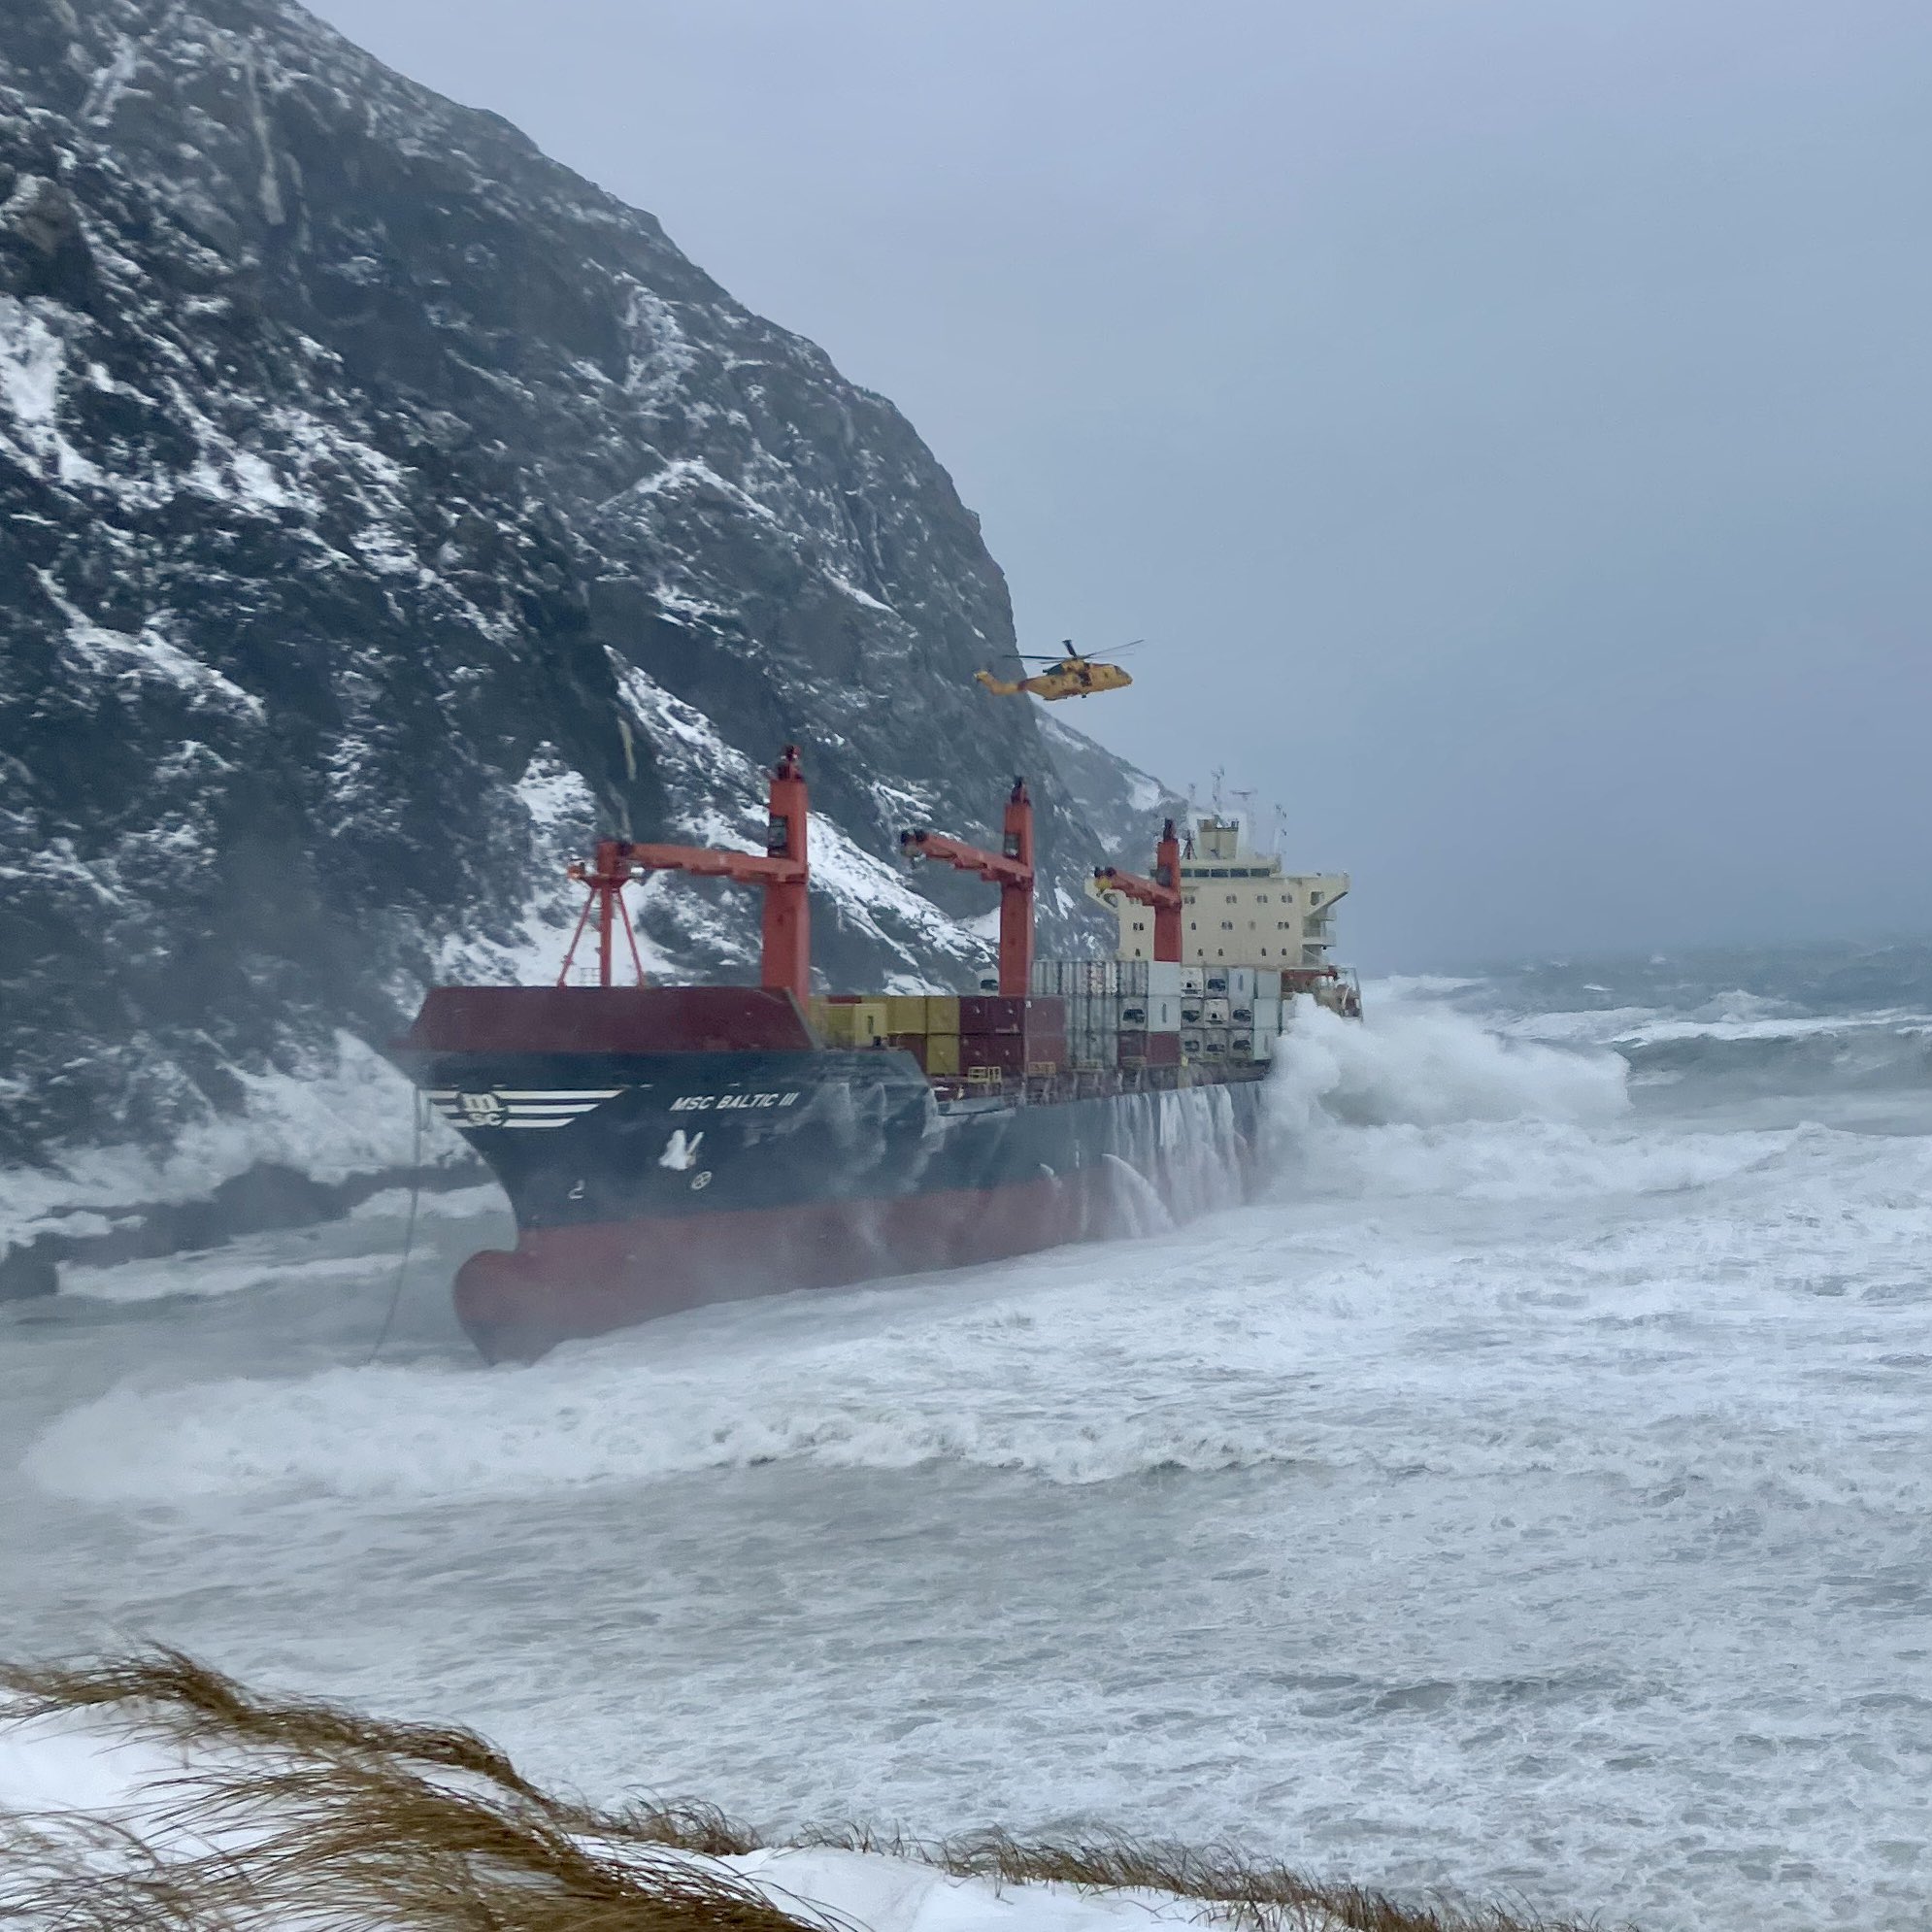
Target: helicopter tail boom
pixel 998 687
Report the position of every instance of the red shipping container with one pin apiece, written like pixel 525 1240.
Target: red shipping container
pixel 1046 1013
pixel 1133 1045
pixel 987 1014
pixel 1046 1049
pixel 997 1053
pixel 1163 1049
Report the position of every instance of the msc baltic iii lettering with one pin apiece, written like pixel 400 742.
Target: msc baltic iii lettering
pixel 664 1147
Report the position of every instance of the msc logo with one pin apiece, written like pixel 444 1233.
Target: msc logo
pixel 519 1107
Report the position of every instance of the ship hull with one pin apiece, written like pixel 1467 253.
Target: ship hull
pixel 571 1282
pixel 829 1170
pixel 646 1182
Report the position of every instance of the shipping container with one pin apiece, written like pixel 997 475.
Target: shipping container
pixel 1163 1013
pixel 1190 1042
pixel 1267 1016
pixel 1215 1011
pixel 1100 1050
pixel 1267 982
pixel 992 1053
pixel 1193 979
pixel 942 1055
pixel 1240 1045
pixel 1193 1007
pixel 1240 982
pixel 1133 1012
pixel 1163 1049
pixel 905 1012
pixel 1240 1012
pixel 852 1020
pixel 980 1014
pixel 1164 978
pixel 942 1013
pixel 1047 1014
pixel 1215 981
pixel 1133 1046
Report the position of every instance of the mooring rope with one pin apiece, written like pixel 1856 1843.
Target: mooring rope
pixel 418 1110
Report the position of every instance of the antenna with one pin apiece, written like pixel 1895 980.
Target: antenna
pixel 1281 832
pixel 1219 777
pixel 1246 800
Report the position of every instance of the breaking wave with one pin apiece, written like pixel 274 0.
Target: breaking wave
pixel 1423 1067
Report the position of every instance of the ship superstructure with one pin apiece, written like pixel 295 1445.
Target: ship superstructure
pixel 705 1143
pixel 1240 907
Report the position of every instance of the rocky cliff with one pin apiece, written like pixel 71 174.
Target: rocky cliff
pixel 384 509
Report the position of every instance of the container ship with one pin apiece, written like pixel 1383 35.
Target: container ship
pixel 667 1146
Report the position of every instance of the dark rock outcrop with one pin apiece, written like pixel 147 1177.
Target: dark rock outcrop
pixel 384 509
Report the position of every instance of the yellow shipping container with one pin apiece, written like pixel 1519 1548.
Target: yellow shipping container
pixel 942 1053
pixel 942 1013
pixel 851 1022
pixel 906 1013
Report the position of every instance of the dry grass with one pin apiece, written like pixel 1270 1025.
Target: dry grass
pixel 321 1815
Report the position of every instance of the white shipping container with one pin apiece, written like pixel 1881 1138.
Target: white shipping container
pixel 1163 1013
pixel 1164 977
pixel 1267 982
pixel 1241 984
pixel 1134 1012
pixel 1240 1010
pixel 1215 1011
pixel 1193 979
pixel 1193 1009
pixel 1216 980
pixel 1267 1016
pixel 1240 1045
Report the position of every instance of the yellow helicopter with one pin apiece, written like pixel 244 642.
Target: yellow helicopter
pixel 1070 677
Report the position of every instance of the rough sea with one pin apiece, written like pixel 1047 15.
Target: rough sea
pixel 1529 1497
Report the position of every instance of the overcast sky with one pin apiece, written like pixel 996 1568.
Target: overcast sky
pixel 1509 420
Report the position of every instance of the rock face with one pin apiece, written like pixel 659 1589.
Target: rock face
pixel 384 510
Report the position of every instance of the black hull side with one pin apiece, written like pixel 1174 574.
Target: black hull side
pixel 648 1183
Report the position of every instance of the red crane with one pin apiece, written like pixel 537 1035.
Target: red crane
pixel 1011 869
pixel 782 870
pixel 1162 892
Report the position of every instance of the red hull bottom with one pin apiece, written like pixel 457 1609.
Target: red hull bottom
pixel 566 1283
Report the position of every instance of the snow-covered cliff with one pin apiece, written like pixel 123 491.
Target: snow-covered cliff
pixel 384 509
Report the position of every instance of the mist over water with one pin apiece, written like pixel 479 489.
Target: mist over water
pixel 1529 1494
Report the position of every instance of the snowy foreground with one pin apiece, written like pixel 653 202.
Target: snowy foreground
pixel 87 1803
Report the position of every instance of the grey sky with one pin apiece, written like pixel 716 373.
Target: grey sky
pixel 1511 419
